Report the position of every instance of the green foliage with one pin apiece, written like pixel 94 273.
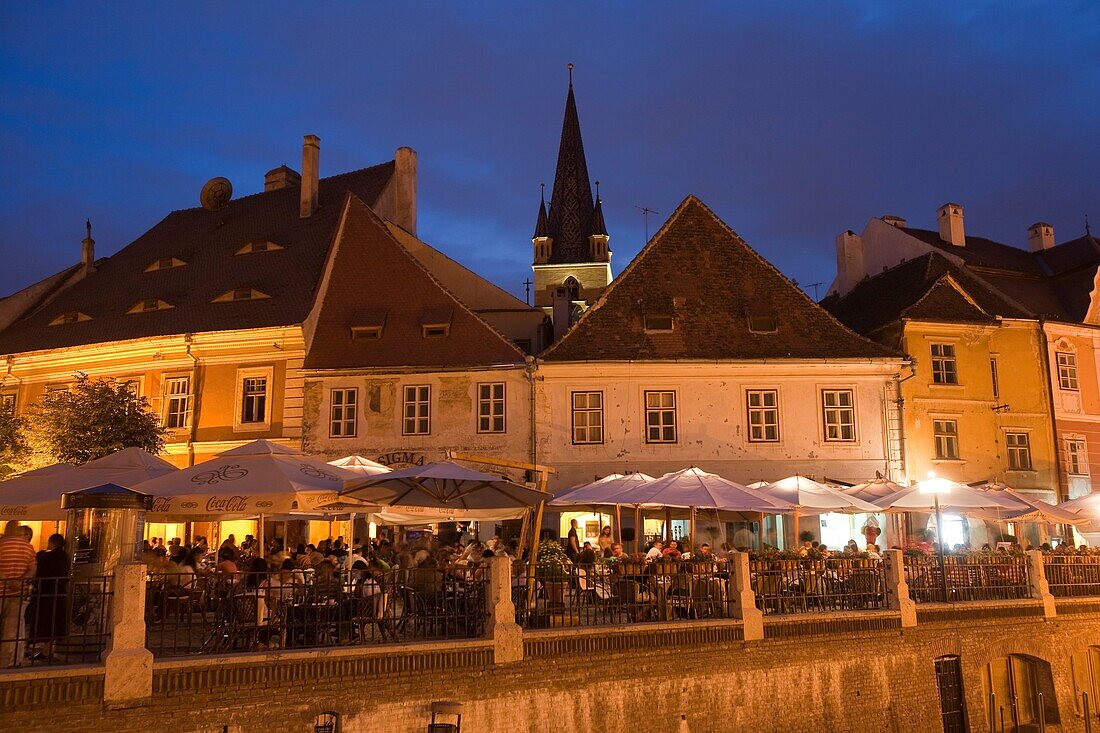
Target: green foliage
pixel 551 560
pixel 93 419
pixel 13 443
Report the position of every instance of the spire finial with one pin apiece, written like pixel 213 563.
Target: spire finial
pixel 570 76
pixel 88 227
pixel 597 190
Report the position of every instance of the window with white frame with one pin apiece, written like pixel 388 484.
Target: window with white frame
pixel 177 402
pixel 660 416
pixel 946 434
pixel 343 404
pixel 254 400
pixel 839 415
pixel 944 368
pixel 587 417
pixel 490 407
pixel 1019 451
pixel 763 413
pixel 1077 456
pixel 1067 370
pixel 417 413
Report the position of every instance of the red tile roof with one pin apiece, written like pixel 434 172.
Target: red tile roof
pixel 699 271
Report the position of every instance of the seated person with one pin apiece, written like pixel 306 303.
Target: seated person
pixel 655 551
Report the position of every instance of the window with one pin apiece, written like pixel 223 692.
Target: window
pixel 258 246
pixel 1077 456
pixel 839 412
pixel 996 378
pixel 1019 451
pixel 762 323
pixel 254 400
pixel 366 333
pixel 327 723
pixel 437 331
pixel 342 406
pixel 164 263
pixel 763 412
pixel 1019 685
pixel 149 304
pixel 133 386
pixel 588 417
pixel 1067 370
pixel 658 322
pixel 949 680
pixel 417 415
pixel 177 402
pixel 947 439
pixel 490 408
pixel 7 403
pixel 660 417
pixel 70 317
pixel 240 294
pixel 944 369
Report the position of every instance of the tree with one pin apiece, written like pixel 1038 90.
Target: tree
pixel 13 444
pixel 93 419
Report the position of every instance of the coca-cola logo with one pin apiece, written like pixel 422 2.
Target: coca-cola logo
pixel 228 472
pixel 227 504
pixel 13 510
pixel 161 505
pixel 188 504
pixel 315 472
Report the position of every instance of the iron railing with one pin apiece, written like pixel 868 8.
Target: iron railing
pixel 608 594
pixel 52 621
pixel 244 612
pixel 968 578
pixel 812 586
pixel 1072 575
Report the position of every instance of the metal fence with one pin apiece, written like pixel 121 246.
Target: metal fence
pixel 968 578
pixel 51 621
pixel 811 586
pixel 1072 575
pixel 188 614
pixel 607 594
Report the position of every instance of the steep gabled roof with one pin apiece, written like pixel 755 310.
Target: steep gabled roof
pixel 699 272
pixel 927 288
pixel 207 242
pixel 372 277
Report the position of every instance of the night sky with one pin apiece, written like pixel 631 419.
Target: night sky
pixel 793 121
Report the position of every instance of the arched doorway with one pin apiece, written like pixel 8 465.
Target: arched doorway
pixel 1019 694
pixel 1085 666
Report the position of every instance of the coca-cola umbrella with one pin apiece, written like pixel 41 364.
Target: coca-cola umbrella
pixel 36 495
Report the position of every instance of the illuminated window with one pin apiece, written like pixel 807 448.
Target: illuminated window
pixel 1067 370
pixel 177 402
pixel 164 263
pixel 490 408
pixel 149 304
pixel 587 417
pixel 238 294
pixel 417 414
pixel 660 416
pixel 258 246
pixel 763 412
pixel 1077 456
pixel 1019 451
pixel 839 415
pixel 944 368
pixel 342 413
pixel 947 439
pixel 70 317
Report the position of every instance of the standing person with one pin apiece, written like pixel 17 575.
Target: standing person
pixel 572 542
pixel 46 621
pixel 605 541
pixel 17 564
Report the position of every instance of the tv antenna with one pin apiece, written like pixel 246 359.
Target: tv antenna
pixel 646 211
pixel 815 287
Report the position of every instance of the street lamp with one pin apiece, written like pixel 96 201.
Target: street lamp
pixel 935 487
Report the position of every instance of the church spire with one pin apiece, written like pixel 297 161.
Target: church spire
pixel 571 206
pixel 541 225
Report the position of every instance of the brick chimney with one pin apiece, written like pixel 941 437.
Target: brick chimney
pixel 849 260
pixel 950 217
pixel 87 253
pixel 1040 235
pixel 311 153
pixel 281 177
pixel 404 180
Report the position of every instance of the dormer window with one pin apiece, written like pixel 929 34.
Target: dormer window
pixel 658 322
pixel 165 263
pixel 762 323
pixel 367 324
pixel 436 323
pixel 149 304
pixel 70 317
pixel 437 331
pixel 366 333
pixel 240 294
pixel 261 245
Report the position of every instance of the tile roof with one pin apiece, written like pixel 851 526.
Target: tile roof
pixel 697 270
pixel 927 288
pixel 571 208
pixel 410 298
pixel 207 242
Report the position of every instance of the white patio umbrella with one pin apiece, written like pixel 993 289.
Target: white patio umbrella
pixel 36 495
pixel 1033 509
pixel 612 490
pixel 953 496
pixel 1087 505
pixel 813 497
pixel 873 490
pixel 360 466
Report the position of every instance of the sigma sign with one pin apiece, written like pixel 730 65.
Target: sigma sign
pixel 401 459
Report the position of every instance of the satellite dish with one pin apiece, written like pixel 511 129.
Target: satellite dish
pixel 216 193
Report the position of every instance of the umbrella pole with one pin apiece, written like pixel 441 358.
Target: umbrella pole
pixel 260 536
pixel 535 526
pixel 619 523
pixel 692 542
pixel 668 525
pixel 639 528
pixel 524 528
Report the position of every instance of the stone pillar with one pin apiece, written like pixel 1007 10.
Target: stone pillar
pixel 1037 578
pixel 127 664
pixel 742 598
pixel 897 590
pixel 501 627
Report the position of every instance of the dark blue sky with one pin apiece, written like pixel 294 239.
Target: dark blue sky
pixel 792 120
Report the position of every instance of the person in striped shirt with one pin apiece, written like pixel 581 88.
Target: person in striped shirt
pixel 17 564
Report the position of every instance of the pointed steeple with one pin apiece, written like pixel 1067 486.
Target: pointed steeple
pixel 598 226
pixel 571 207
pixel 541 227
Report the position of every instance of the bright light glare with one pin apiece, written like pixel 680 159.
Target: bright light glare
pixel 933 485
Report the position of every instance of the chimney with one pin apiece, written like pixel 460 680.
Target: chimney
pixel 849 261
pixel 311 153
pixel 1040 235
pixel 87 254
pixel 895 221
pixel 281 177
pixel 950 217
pixel 404 179
pixel 561 311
